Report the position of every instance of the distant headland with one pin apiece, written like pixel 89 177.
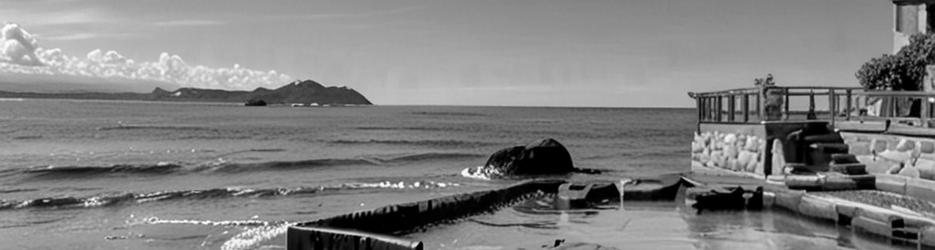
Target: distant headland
pixel 302 93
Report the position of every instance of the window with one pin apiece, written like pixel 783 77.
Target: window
pixel 907 19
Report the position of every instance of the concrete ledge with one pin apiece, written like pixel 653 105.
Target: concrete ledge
pixel 873 226
pixel 921 188
pixel 327 238
pixel 861 126
pixel 891 183
pixel 789 199
pixel 817 208
pixel 409 216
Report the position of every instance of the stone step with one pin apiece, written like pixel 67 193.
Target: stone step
pixel 829 148
pixel 843 159
pixel 830 181
pixel 848 168
pixel 830 137
pixel 805 168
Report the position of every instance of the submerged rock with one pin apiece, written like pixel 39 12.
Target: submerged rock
pixel 543 157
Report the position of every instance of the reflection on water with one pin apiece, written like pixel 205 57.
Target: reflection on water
pixel 648 225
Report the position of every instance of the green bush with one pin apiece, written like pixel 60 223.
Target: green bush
pixel 902 71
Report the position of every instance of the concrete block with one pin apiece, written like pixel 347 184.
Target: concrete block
pixel 877 145
pixel 891 183
pixel 927 147
pixel 928 236
pixel 895 156
pixel 817 208
pixel 859 148
pixel 926 168
pixel 905 145
pixel 920 188
pixel 909 171
pixel 875 227
pixel 845 210
pixel 789 199
pixel 811 182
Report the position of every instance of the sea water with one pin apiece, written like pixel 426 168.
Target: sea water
pixel 154 175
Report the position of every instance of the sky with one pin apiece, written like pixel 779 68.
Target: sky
pixel 600 53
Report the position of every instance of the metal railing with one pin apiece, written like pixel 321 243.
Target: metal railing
pixel 784 103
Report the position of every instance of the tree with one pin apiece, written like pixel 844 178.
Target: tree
pixel 902 71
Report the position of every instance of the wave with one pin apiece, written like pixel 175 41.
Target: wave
pixel 407 128
pixel 234 167
pixel 103 200
pixel 443 113
pixel 154 127
pixel 161 167
pixel 428 143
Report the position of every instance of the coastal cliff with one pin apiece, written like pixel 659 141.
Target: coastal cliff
pixel 303 92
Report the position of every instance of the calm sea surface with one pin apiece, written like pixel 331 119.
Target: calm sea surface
pixel 146 175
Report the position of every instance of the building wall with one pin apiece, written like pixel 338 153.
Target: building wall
pixel 909 19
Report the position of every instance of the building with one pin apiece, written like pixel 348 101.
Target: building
pixel 911 17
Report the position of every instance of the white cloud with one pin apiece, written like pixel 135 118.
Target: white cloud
pixel 189 22
pixel 20 53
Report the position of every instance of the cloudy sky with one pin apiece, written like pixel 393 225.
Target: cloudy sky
pixel 617 53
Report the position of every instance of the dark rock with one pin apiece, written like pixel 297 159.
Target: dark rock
pixel 255 102
pixel 543 157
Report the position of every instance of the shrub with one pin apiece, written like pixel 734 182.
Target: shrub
pixel 902 71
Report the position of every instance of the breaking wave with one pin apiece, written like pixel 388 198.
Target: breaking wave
pixel 234 167
pixel 103 200
pixel 428 143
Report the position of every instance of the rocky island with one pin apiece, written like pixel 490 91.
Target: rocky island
pixel 305 92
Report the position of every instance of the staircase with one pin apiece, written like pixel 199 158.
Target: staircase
pixel 817 159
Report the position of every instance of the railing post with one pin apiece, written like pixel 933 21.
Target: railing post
pixel 847 109
pixel 786 103
pixel 924 111
pixel 732 106
pixel 833 105
pixel 759 105
pixel 746 108
pixel 811 115
pixel 720 108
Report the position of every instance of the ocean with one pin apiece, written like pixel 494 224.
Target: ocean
pixel 153 175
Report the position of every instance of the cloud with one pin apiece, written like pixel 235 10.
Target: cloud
pixel 189 22
pixel 22 54
pixel 18 46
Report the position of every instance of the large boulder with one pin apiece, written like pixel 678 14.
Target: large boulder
pixel 543 157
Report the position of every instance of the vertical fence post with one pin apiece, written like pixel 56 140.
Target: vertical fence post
pixel 847 109
pixel 731 106
pixel 720 108
pixel 746 108
pixel 759 104
pixel 833 105
pixel 786 103
pixel 924 111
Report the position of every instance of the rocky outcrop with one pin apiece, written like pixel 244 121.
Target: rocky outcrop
pixel 543 157
pixel 302 92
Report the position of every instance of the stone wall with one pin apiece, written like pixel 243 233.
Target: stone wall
pixel 735 152
pixel 908 156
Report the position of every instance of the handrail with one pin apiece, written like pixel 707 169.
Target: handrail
pixel 773 103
